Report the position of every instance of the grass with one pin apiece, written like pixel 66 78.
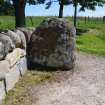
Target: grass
pixel 22 93
pixel 92 40
pixel 89 33
pixel 91 44
pixel 7 22
pixel 90 37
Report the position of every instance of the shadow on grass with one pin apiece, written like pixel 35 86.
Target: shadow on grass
pixel 81 31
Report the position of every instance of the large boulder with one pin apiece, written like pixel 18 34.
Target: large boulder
pixel 52 44
pixel 6 45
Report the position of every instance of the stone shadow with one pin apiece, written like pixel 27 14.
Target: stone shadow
pixel 37 67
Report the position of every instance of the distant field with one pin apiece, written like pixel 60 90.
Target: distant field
pixel 8 22
pixel 91 37
pixel 90 32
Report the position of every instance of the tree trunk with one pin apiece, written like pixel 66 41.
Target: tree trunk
pixel 61 9
pixel 19 6
pixel 75 13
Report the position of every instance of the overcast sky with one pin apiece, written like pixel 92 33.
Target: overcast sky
pixel 39 10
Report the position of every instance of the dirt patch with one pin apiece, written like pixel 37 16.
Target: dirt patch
pixel 85 85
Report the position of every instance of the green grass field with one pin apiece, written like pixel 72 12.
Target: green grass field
pixel 90 35
pixel 91 38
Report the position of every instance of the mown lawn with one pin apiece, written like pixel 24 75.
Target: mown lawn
pixel 8 22
pixel 91 38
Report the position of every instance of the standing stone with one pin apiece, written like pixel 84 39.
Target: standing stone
pixel 52 44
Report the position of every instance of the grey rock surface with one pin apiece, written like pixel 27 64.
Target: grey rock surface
pixel 14 56
pixel 22 37
pixel 52 44
pixel 6 45
pixel 27 32
pixel 2 51
pixel 15 38
pixel 12 77
pixel 4 68
pixel 2 92
pixel 22 64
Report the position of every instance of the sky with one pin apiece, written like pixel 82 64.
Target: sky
pixel 39 10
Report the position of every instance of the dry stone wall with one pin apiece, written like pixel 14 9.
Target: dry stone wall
pixel 11 69
pixel 13 61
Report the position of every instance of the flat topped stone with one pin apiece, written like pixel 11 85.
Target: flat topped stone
pixel 52 44
pixel 14 56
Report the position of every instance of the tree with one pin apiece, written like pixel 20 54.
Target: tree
pixel 75 12
pixel 62 3
pixel 91 4
pixel 19 8
pixel 86 4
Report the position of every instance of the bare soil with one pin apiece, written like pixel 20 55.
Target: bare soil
pixel 85 85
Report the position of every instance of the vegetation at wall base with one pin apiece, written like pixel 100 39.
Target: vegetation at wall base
pixel 21 94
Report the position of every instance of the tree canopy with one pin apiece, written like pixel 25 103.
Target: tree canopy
pixel 19 9
pixel 90 4
pixel 86 4
pixel 6 8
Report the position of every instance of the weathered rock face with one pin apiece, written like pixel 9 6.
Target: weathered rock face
pixel 6 45
pixel 22 38
pixel 52 44
pixel 10 40
pixel 27 33
pixel 2 51
pixel 15 38
pixel 14 56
